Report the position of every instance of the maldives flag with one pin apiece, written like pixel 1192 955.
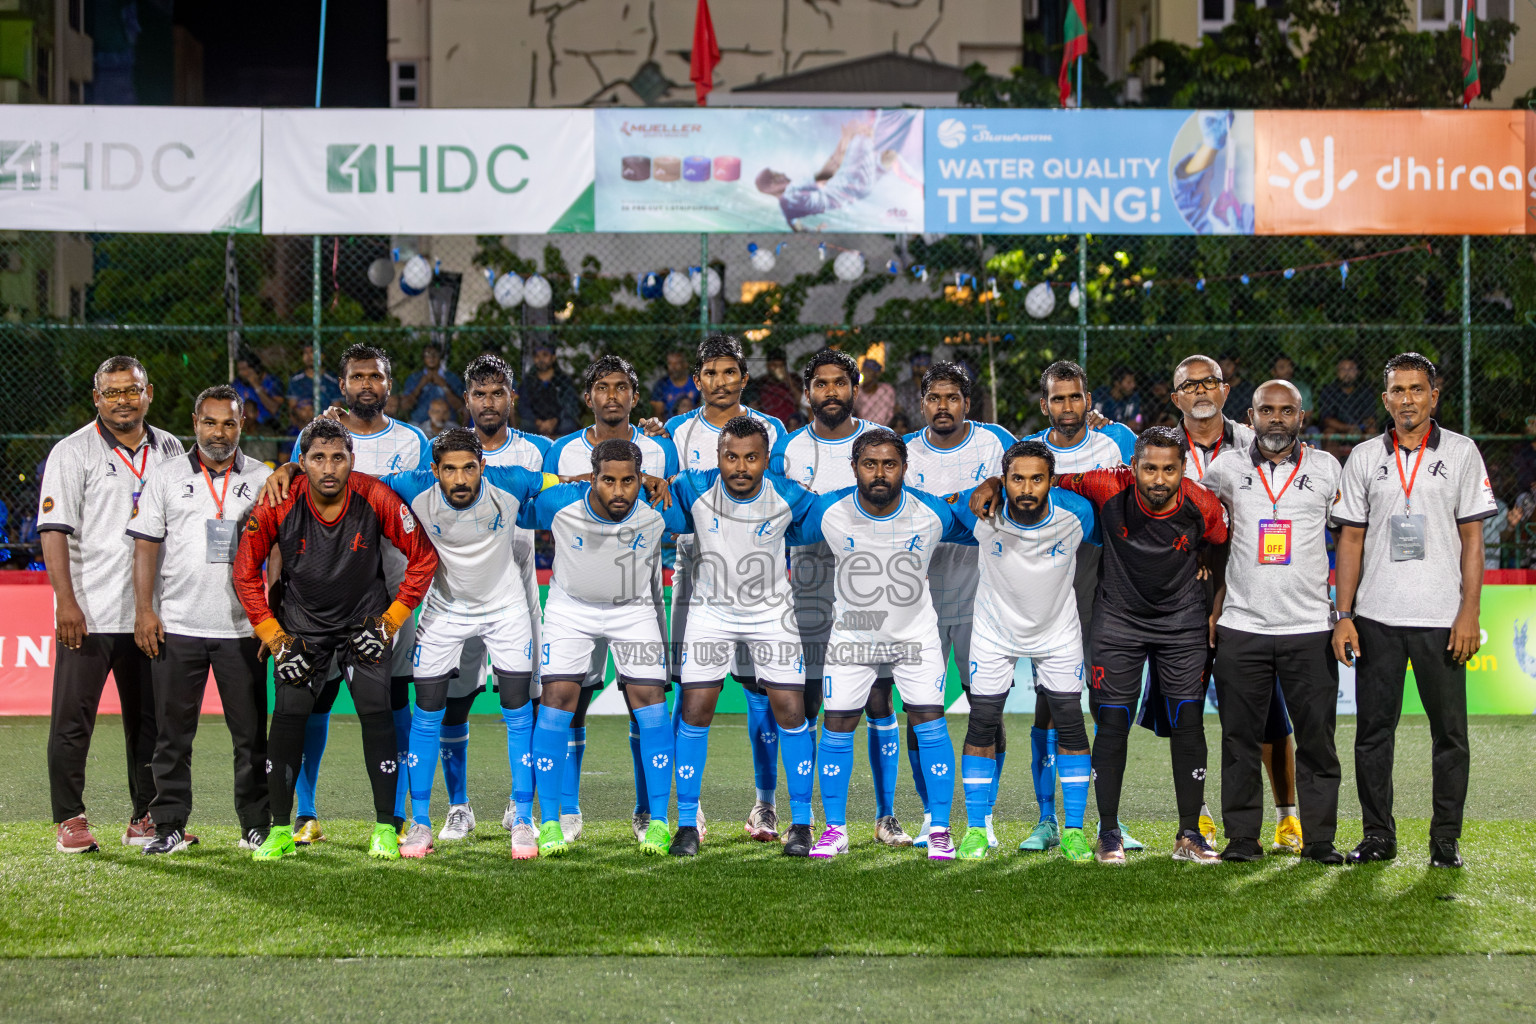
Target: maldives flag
pixel 1075 36
pixel 1471 85
pixel 706 54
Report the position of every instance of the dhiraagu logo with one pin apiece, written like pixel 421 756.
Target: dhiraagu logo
pixel 359 168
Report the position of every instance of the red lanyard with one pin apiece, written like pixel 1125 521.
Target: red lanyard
pixel 143 463
pixel 1195 458
pixel 1274 499
pixel 218 499
pixel 1407 481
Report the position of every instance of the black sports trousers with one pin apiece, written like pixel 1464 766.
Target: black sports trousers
pixel 1248 666
pixel 1381 668
pixel 180 674
pixel 78 678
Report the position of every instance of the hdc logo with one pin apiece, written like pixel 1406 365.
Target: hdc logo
pixel 354 168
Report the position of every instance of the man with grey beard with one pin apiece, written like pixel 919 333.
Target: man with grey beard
pixel 187 619
pixel 1272 620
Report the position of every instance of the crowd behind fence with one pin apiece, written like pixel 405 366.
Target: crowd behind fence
pixel 1312 309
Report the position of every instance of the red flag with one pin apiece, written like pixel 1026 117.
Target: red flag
pixel 1075 35
pixel 1471 81
pixel 706 54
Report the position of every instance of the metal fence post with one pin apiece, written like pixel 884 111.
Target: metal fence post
pixel 1082 300
pixel 703 285
pixel 1466 334
pixel 314 317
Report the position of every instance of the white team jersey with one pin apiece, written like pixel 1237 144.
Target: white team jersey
pixel 698 441
pixel 571 455
pixel 816 464
pixel 881 594
pixel 599 561
pixel 1098 449
pixel 477 578
pixel 527 451
pixel 1024 601
pixel 738 558
pixel 397 448
pixel 940 471
pixel 1235 436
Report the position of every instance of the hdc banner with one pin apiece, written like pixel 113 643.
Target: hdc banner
pixel 447 172
pixel 180 169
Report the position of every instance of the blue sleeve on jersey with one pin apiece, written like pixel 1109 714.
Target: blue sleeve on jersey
pixel 687 487
pixel 552 454
pixel 409 484
pixel 1083 509
pixel 775 429
pixel 1002 435
pixel 295 455
pixel 516 481
pixel 808 530
pixel 776 456
pixel 669 450
pixel 675 424
pixel 675 519
pixel 549 502
pixel 1124 438
pixel 961 510
pixel 539 441
pixel 424 452
pixel 955 530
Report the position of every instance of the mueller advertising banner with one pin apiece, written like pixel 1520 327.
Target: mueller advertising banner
pixel 447 172
pixel 175 169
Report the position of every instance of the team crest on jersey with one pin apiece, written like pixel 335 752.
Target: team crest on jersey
pixel 47 504
pixel 953 498
pixel 407 521
pixel 251 526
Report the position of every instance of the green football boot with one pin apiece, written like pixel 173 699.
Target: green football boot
pixel 277 845
pixel 552 841
pixel 974 846
pixel 657 838
pixel 1075 845
pixel 1042 837
pixel 385 844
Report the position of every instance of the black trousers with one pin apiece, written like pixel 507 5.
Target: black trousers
pixel 180 674
pixel 1381 673
pixel 1247 666
pixel 78 678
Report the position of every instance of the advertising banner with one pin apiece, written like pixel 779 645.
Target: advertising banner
pixel 1391 172
pixel 1138 172
pixel 760 170
pixel 181 169
pixel 447 172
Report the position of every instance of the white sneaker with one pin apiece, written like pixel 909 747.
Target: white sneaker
pixel 460 823
pixel 763 823
pixel 639 823
pixel 570 827
pixel 418 842
pixel 991 836
pixel 922 837
pixel 832 842
pixel 940 845
pixel 509 816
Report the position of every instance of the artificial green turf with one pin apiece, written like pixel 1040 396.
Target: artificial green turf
pixel 741 898
pixel 890 990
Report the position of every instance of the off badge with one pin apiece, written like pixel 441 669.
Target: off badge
pixel 1274 542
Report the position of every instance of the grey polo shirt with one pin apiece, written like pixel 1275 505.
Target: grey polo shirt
pixel 196 597
pixel 1197 457
pixel 87 493
pixel 1273 598
pixel 1451 488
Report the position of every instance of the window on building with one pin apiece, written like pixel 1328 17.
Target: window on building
pixel 1216 15
pixel 1438 15
pixel 404 84
pixel 1435 14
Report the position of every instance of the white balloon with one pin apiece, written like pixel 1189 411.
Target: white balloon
pixel 416 275
pixel 676 289
pixel 537 292
pixel 381 272
pixel 1040 300
pixel 1073 296
pixel 849 266
pixel 508 291
pixel 695 282
pixel 763 260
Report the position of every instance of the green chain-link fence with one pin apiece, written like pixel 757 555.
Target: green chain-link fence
pixel 69 301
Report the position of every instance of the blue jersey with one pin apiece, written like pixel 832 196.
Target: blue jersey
pixel 598 560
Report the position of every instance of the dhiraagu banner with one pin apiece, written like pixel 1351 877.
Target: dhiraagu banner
pixel 1134 172
pixel 446 172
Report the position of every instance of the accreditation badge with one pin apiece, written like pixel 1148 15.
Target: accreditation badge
pixel 1274 542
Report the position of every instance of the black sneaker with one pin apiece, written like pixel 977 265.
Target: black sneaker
pixel 685 843
pixel 1373 848
pixel 1322 853
pixel 170 839
pixel 1245 850
pixel 252 838
pixel 798 841
pixel 1443 854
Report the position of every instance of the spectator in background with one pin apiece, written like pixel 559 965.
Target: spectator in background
pixel 1239 391
pixel 677 383
pixel 429 384
pixel 301 388
pixel 1285 369
pixel 1524 460
pixel 909 393
pixel 875 400
pixel 547 395
pixel 439 418
pixel 1118 400
pixel 1160 410
pixel 259 388
pixel 771 393
pixel 1347 405
pixel 981 397
pixel 250 415
pixel 302 411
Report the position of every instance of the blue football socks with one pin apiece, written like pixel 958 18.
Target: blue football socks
pixel 454 750
pixel 884 756
pixel 799 747
pixel 551 734
pixel 656 753
pixel 937 754
pixel 423 745
pixel 316 731
pixel 836 766
pixel 692 751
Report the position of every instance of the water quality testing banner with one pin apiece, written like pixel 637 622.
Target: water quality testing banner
pixel 1138 172
pixel 181 169
pixel 760 170
pixel 448 172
